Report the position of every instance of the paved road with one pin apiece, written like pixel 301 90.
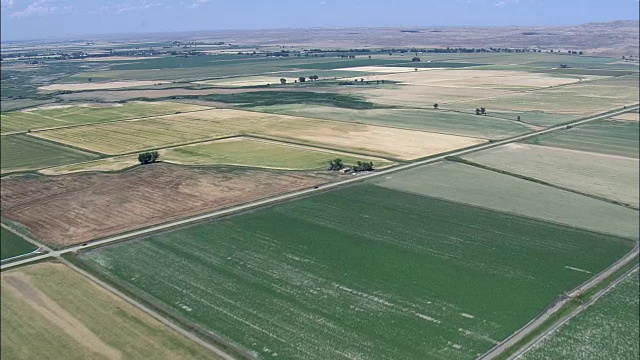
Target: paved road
pixel 582 307
pixel 289 196
pixel 540 319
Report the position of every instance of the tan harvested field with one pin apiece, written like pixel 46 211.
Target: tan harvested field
pixel 51 312
pixel 444 86
pixel 98 85
pixel 101 165
pixel 164 131
pixel 71 209
pixel 634 116
pixel 608 176
pixel 381 69
pixel 247 81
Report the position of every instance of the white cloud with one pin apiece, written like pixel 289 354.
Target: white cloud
pixel 506 2
pixel 121 8
pixel 197 3
pixel 6 4
pixel 40 7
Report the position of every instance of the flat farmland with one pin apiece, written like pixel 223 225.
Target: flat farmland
pixel 254 152
pixel 580 99
pixel 111 164
pixel 608 329
pixel 58 116
pixel 21 152
pixel 611 137
pixel 424 119
pixel 12 245
pixel 97 85
pixel 129 136
pixel 69 209
pixel 51 312
pixel 361 272
pixel 608 176
pixel 484 188
pixel 447 86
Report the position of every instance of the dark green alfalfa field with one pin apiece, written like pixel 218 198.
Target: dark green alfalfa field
pixel 360 272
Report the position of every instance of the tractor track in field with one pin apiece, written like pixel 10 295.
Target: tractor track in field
pixel 290 196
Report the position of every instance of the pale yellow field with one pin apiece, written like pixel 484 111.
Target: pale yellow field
pixel 608 176
pixel 247 81
pixel 99 85
pixel 103 165
pixel 51 312
pixel 171 130
pixel 423 88
pixel 628 116
pixel 382 69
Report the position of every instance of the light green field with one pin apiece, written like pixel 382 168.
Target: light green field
pixel 607 329
pixel 41 118
pixel 361 272
pixel 611 177
pixel 612 137
pixel 429 120
pixel 22 152
pixel 171 130
pixel 51 312
pixel 563 103
pixel 471 185
pixel 260 153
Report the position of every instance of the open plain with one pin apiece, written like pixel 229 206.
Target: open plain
pixel 487 186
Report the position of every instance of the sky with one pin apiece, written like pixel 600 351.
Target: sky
pixel 38 19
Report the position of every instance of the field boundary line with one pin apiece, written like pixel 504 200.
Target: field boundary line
pixel 320 188
pixel 527 347
pixel 557 304
pixel 539 181
pixel 148 311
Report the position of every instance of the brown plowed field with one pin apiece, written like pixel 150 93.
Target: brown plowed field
pixel 69 209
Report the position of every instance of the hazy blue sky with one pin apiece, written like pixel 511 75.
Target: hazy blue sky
pixel 28 19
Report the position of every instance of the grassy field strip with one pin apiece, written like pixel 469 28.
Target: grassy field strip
pixel 22 153
pixel 529 351
pixel 604 177
pixel 74 318
pixel 133 118
pixel 541 318
pixel 292 195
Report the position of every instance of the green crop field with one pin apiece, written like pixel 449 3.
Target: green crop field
pixel 12 245
pixel 606 176
pixel 22 152
pixel 51 312
pixel 429 120
pixel 20 121
pixel 610 137
pixel 479 187
pixel 265 98
pixel 361 272
pixel 260 153
pixel 606 330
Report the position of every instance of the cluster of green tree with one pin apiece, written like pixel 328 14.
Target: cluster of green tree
pixel 481 111
pixel 336 164
pixel 362 166
pixel 148 157
pixel 415 59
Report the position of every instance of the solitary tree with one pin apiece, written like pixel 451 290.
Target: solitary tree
pixel 477 111
pixel 415 59
pixel 302 79
pixel 283 81
pixel 148 157
pixel 435 106
pixel 518 117
pixel 416 69
pixel 483 111
pixel 335 164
